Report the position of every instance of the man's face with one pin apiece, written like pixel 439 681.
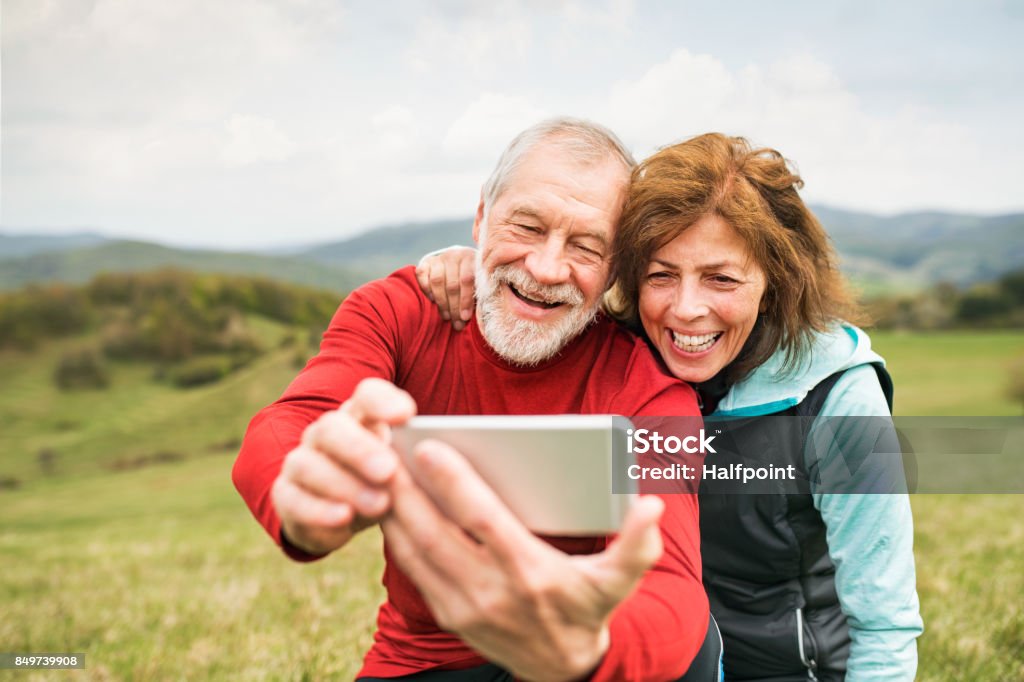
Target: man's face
pixel 544 252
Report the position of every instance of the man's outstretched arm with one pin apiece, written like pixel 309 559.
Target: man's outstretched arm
pixel 360 343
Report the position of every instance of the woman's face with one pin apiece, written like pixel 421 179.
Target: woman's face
pixel 700 298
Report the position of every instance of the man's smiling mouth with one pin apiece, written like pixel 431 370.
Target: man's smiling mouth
pixel 532 301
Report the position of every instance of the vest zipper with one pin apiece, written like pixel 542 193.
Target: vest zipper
pixel 809 663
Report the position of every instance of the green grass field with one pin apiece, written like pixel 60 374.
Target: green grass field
pixel 159 572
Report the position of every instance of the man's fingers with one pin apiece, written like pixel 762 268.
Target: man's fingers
pixel 340 437
pixel 436 583
pixel 377 400
pixel 462 496
pixel 311 523
pixel 323 478
pixel 638 545
pixel 426 532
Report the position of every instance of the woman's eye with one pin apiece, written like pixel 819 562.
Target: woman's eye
pixel 660 277
pixel 723 279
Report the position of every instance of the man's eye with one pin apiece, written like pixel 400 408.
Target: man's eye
pixel 532 229
pixel 590 251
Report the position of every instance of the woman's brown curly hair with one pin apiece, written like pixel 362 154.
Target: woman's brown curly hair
pixel 755 192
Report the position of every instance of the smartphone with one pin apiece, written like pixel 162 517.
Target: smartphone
pixel 556 473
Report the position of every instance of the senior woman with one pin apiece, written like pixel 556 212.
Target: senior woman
pixel 722 268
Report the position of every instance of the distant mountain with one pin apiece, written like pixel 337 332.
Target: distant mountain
pixel 81 264
pixel 21 245
pixel 882 254
pixel 385 249
pixel 913 250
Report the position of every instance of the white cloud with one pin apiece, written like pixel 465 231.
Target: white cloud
pixel 488 125
pixel 798 105
pixel 396 133
pixel 613 16
pixel 229 119
pixel 475 43
pixel 684 95
pixel 252 139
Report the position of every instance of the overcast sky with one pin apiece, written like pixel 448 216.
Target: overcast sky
pixel 248 123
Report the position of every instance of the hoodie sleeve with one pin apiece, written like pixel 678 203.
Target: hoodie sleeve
pixel 870 534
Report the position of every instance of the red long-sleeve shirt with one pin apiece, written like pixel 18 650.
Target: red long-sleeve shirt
pixel 389 329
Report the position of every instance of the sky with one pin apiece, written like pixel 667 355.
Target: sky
pixel 256 123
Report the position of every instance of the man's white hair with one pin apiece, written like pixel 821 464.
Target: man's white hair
pixel 581 140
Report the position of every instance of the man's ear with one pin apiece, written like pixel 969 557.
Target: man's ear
pixel 478 219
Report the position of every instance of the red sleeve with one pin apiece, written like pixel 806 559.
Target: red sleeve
pixel 362 340
pixel 657 631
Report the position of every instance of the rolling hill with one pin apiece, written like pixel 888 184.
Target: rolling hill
pixel 913 250
pixel 384 249
pixel 78 265
pixel 883 254
pixel 905 252
pixel 20 245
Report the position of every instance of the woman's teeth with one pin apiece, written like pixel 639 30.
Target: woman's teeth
pixel 694 344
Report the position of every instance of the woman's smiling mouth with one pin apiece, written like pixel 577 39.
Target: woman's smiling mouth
pixel 694 343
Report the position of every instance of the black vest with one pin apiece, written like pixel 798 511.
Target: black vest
pixel 767 571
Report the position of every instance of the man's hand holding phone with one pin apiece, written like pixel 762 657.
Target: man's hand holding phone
pixel 523 604
pixel 336 482
pixel 520 602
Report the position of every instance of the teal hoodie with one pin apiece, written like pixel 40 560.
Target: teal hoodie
pixel 870 536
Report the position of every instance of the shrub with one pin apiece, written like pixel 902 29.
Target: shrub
pixel 81 369
pixel 200 371
pixel 37 313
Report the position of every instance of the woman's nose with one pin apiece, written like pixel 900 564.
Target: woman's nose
pixel 690 302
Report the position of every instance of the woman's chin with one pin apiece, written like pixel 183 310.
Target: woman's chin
pixel 693 368
pixel 691 375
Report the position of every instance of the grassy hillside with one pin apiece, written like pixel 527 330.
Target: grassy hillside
pixel 161 574
pixel 82 264
pixel 952 373
pixel 157 571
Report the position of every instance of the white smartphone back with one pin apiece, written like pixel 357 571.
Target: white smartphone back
pixel 554 472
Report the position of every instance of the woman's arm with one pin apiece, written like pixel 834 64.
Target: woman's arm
pixel 447 277
pixel 870 535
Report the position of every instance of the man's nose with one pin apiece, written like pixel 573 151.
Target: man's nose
pixel 690 301
pixel 548 264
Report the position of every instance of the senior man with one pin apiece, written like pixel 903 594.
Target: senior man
pixel 469 589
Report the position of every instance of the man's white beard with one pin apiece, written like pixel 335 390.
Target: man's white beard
pixel 527 342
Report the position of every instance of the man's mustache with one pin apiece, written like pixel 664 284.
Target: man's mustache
pixel 525 284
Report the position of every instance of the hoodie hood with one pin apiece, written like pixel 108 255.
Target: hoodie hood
pixel 768 389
